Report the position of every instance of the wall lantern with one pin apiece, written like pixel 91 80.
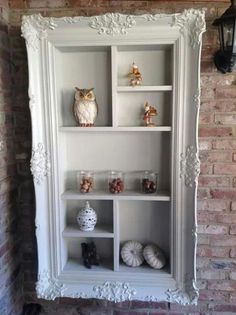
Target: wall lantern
pixel 225 58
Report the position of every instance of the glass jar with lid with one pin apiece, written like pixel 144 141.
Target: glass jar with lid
pixel 149 182
pixel 85 181
pixel 116 182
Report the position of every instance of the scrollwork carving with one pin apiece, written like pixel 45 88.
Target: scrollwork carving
pixel 34 28
pixel 114 291
pixel 190 166
pixel 112 23
pixel 192 23
pixel 48 288
pixel 40 163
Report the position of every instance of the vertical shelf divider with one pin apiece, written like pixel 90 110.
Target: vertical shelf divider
pixel 114 85
pixel 116 248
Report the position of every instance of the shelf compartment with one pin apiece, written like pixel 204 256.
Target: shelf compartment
pixel 145 269
pixel 130 108
pixel 100 231
pixel 104 211
pixel 154 63
pixel 104 248
pixel 83 67
pixel 115 129
pixel 147 222
pixel 127 195
pixel 142 88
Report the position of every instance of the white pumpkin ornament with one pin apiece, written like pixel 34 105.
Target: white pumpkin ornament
pixel 132 253
pixel 154 256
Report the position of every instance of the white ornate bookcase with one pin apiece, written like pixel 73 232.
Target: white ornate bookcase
pixel 97 52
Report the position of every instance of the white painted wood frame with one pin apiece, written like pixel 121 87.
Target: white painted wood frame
pixel 59 50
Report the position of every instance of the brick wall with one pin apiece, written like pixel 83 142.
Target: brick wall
pixel 216 263
pixel 10 276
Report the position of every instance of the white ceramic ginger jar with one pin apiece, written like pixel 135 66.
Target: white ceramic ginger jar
pixel 87 218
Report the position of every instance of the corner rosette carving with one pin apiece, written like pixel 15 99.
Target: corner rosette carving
pixel 187 296
pixel 114 291
pixel 112 23
pixel 48 288
pixel 40 163
pixel 34 28
pixel 190 166
pixel 191 23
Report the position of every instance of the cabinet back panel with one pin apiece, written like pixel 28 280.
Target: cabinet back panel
pixel 154 65
pixel 146 222
pixel 83 69
pixel 131 152
pixel 130 107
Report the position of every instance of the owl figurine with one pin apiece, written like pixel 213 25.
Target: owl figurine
pixel 85 107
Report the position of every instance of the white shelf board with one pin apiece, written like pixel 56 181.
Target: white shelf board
pixel 127 195
pixel 142 88
pixel 144 268
pixel 98 232
pixel 115 129
pixel 74 265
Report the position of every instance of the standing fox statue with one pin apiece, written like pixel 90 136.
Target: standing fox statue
pixel 85 107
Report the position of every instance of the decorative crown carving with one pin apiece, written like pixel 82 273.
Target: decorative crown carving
pixel 191 23
pixel 112 23
pixel 34 28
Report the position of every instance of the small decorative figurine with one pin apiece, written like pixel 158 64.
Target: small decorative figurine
pixel 87 218
pixel 149 113
pixel 89 254
pixel 85 107
pixel 132 253
pixel 135 75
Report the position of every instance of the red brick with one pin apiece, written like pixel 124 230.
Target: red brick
pixel 223 194
pixel 206 118
pixel 206 169
pixel 207 93
pixel 232 298
pixel 234 157
pixel 206 217
pixel 218 106
pixel 226 92
pixel 221 144
pixel 217 80
pixel 215 156
pixel 223 285
pixel 224 308
pixel 224 169
pixel 223 240
pixel 215 131
pixel 209 295
pixel 232 252
pixel 226 218
pixel 232 229
pixel 213 274
pixel 233 206
pixel 225 119
pixel 204 144
pixel 213 205
pixel 203 193
pixel 210 181
pixel 213 229
pixel 210 251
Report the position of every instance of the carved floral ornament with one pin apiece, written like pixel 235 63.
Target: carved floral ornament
pixel 40 163
pixel 190 166
pixel 48 288
pixel 191 23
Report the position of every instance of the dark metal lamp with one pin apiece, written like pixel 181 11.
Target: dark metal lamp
pixel 225 58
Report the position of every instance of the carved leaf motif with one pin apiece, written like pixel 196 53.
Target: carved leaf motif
pixel 47 288
pixel 112 23
pixel 39 164
pixel 34 28
pixel 190 166
pixel 114 291
pixel 187 296
pixel 192 23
